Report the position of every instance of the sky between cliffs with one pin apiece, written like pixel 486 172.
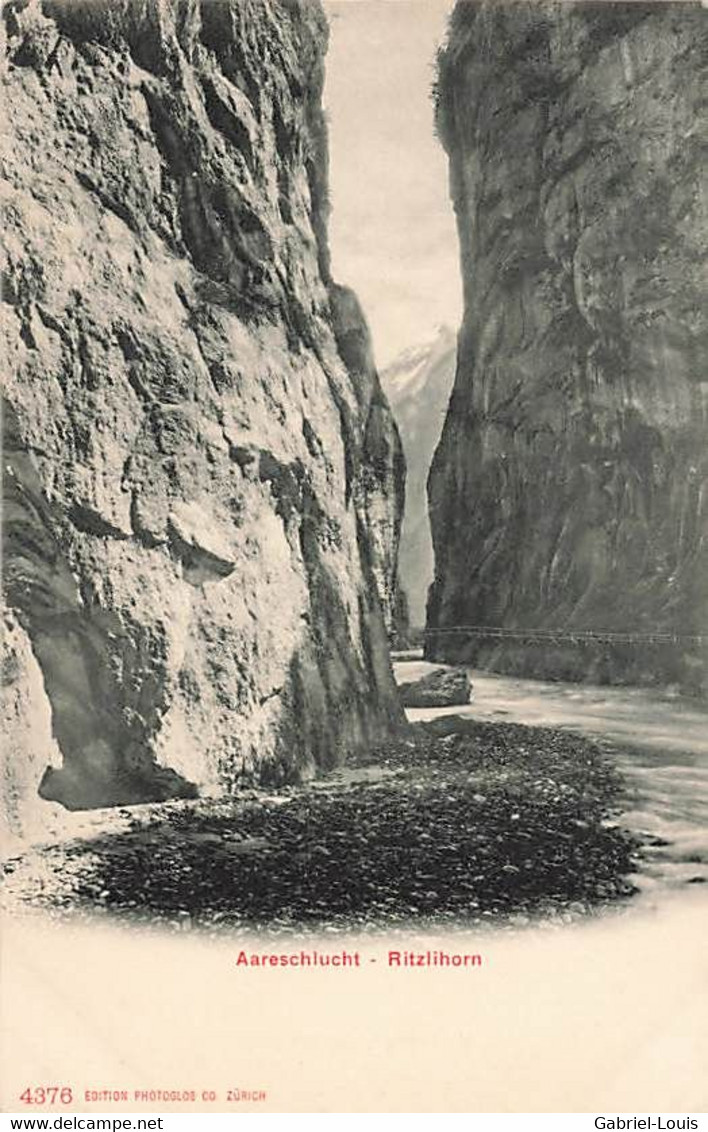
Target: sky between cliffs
pixel 392 229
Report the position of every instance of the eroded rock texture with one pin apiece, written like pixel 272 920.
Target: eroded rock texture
pixel 569 488
pixel 203 480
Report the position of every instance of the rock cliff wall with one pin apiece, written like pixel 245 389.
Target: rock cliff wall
pixel 203 482
pixel 569 488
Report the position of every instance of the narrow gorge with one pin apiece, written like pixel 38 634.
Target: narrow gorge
pixel 569 488
pixel 418 383
pixel 203 481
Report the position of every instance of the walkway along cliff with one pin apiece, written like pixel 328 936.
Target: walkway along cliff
pixel 568 491
pixel 203 482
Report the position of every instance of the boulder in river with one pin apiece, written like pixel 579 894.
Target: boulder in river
pixel 443 687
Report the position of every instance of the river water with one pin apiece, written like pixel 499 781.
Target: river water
pixel 659 741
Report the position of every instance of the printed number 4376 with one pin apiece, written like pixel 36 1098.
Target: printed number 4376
pixel 47 1094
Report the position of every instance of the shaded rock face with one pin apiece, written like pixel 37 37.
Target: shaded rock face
pixel 28 749
pixel 203 482
pixel 444 687
pixel 568 490
pixel 417 384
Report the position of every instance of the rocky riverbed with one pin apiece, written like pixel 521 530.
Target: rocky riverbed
pixel 473 818
pixel 461 823
pixel 656 739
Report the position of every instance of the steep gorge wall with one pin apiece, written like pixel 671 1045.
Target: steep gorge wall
pixel 569 487
pixel 203 482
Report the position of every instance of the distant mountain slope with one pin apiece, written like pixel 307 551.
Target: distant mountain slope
pixel 418 385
